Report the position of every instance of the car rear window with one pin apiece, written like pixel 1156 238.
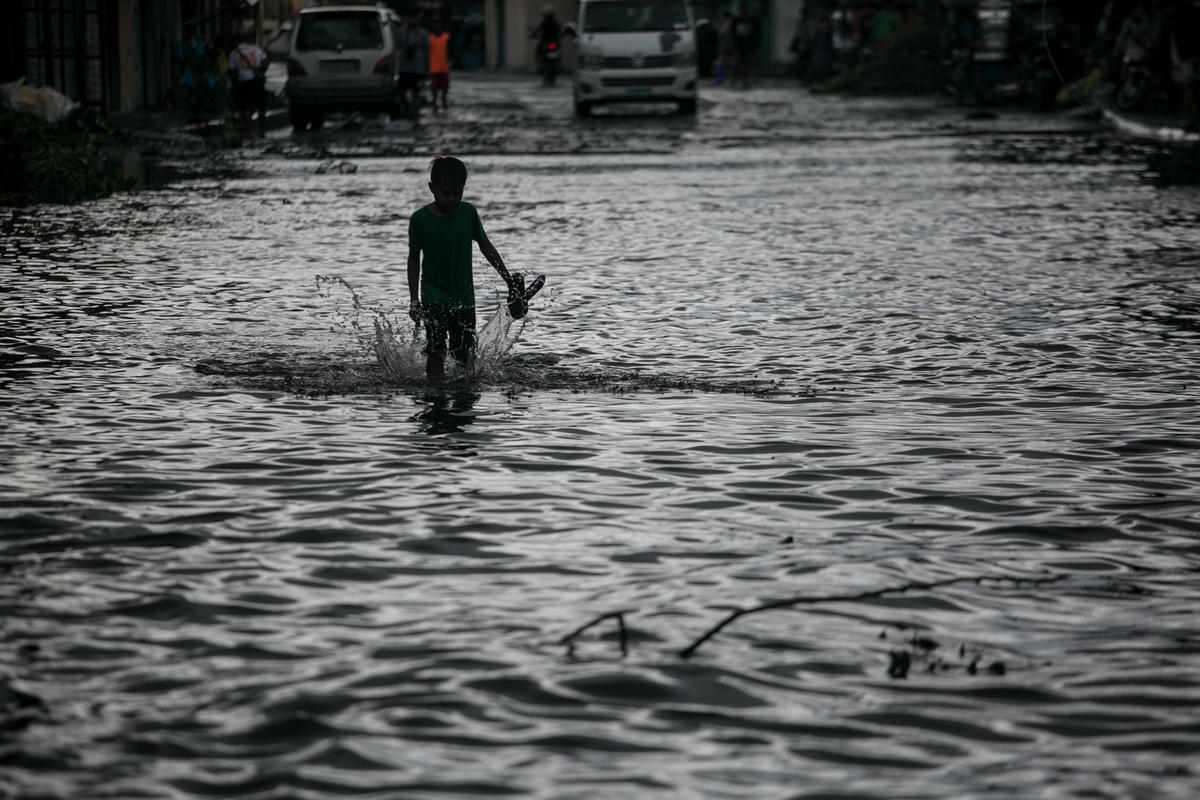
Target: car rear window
pixel 340 30
pixel 629 16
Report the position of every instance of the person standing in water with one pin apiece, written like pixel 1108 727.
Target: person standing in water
pixel 439 64
pixel 747 32
pixel 441 287
pixel 726 51
pixel 412 52
pixel 248 73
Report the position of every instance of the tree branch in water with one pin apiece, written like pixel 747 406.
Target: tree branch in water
pixel 796 601
pixel 619 616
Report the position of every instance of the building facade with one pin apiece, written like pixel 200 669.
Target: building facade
pixel 115 56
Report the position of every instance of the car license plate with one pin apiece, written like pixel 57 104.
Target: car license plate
pixel 637 90
pixel 339 65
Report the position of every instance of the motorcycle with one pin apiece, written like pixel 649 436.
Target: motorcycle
pixel 549 55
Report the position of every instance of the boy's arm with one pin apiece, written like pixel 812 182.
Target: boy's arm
pixel 414 284
pixel 493 257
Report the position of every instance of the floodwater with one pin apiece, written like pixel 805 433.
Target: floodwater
pixel 934 379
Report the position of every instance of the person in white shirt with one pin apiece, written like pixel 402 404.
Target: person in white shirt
pixel 248 75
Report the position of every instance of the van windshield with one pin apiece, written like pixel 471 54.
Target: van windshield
pixel 334 30
pixel 629 16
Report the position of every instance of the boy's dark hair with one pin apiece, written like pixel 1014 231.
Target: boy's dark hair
pixel 448 169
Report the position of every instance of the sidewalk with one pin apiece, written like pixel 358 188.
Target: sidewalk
pixel 165 123
pixel 1150 126
pixel 1147 127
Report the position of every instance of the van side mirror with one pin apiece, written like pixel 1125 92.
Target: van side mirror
pixel 568 29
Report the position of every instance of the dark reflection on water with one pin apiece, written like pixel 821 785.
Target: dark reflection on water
pixel 447 412
pixel 799 347
pixel 1160 165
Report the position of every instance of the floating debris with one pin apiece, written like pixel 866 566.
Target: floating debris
pixel 341 167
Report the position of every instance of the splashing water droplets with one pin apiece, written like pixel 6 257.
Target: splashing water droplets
pixel 348 310
pixel 387 352
pixel 495 339
pixel 384 332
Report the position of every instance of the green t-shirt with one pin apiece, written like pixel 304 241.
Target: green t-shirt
pixel 445 244
pixel 886 23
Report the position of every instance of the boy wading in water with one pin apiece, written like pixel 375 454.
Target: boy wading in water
pixel 439 262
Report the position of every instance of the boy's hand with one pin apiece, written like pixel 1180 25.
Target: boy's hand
pixel 516 283
pixel 414 311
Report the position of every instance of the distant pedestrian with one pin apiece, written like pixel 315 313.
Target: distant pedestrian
pixel 726 49
pixel 441 287
pixel 439 64
pixel 801 44
pixel 878 27
pixel 706 48
pixel 412 46
pixel 1136 31
pixel 1185 62
pixel 248 75
pixel 822 53
pixel 747 31
pixel 885 23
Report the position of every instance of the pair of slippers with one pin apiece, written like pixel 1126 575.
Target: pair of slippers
pixel 519 294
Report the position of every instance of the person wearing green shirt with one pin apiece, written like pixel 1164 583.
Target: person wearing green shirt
pixel 441 286
pixel 886 23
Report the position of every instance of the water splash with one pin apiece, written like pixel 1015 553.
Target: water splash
pixel 384 332
pixel 348 311
pixel 387 353
pixel 398 359
pixel 495 339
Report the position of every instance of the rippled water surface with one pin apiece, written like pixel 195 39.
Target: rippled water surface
pixel 934 380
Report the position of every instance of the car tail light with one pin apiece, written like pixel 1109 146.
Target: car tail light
pixel 295 69
pixel 552 46
pixel 384 65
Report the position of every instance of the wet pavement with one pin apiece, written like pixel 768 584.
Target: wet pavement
pixel 494 113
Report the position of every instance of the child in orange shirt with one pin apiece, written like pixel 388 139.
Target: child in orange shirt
pixel 439 63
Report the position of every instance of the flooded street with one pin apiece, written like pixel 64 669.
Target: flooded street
pixel 934 379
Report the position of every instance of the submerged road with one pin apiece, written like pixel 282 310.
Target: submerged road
pixel 932 378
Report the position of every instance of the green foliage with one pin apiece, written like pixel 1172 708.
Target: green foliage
pixel 75 160
pixel 907 63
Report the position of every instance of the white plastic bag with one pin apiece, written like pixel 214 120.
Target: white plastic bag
pixel 45 103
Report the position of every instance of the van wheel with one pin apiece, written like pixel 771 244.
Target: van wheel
pixel 318 120
pixel 299 118
pixel 583 108
pixel 687 106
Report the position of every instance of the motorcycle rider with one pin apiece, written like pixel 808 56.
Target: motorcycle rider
pixel 547 32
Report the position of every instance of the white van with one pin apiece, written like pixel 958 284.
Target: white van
pixel 634 51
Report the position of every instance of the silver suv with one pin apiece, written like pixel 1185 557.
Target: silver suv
pixel 342 58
